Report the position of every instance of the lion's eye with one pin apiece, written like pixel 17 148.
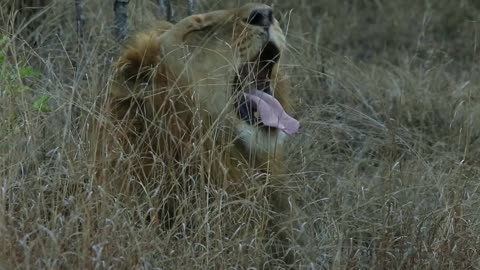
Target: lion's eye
pixel 201 34
pixel 205 29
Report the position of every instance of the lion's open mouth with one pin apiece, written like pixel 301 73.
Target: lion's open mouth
pixel 255 102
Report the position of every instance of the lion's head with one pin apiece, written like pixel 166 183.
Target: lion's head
pixel 230 60
pixel 225 64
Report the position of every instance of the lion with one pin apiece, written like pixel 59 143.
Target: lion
pixel 203 104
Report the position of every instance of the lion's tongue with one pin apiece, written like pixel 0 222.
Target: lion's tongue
pixel 272 113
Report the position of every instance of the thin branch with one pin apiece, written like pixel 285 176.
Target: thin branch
pixel 166 10
pixel 120 8
pixel 80 17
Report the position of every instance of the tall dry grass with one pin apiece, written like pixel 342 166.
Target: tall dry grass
pixel 387 159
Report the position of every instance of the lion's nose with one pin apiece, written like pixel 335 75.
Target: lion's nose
pixel 261 17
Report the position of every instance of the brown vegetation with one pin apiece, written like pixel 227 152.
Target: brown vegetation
pixel 387 161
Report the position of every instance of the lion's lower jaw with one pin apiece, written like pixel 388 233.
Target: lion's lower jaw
pixel 261 142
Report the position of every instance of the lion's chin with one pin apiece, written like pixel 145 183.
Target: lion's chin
pixel 258 140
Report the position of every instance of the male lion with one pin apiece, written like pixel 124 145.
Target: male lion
pixel 202 105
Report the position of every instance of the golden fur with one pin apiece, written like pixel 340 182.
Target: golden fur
pixel 170 114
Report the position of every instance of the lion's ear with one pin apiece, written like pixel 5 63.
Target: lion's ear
pixel 139 59
pixel 140 62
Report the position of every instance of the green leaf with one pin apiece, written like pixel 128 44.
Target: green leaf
pixel 3 40
pixel 41 104
pixel 28 72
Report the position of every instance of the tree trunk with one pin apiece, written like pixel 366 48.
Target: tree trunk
pixel 166 10
pixel 80 17
pixel 120 8
pixel 192 5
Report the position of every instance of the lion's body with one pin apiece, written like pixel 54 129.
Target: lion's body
pixel 171 121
